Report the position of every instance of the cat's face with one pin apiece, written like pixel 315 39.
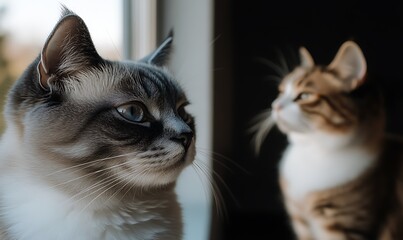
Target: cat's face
pixel 121 120
pixel 318 99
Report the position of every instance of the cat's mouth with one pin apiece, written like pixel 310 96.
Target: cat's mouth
pixel 176 164
pixel 157 166
pixel 281 123
pixel 178 161
pixel 291 124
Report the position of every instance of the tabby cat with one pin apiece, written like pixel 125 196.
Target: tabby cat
pixel 93 147
pixel 341 176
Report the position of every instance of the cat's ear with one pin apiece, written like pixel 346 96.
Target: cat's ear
pixel 350 65
pixel 305 58
pixel 67 50
pixel 160 56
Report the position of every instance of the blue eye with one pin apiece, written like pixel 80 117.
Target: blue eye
pixel 132 112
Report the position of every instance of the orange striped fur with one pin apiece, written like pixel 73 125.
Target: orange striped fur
pixel 341 176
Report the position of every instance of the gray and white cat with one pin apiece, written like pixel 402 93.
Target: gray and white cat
pixel 93 147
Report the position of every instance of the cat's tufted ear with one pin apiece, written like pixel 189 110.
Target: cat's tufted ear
pixel 160 56
pixel 305 58
pixel 350 64
pixel 68 49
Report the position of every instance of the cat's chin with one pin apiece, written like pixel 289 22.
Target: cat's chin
pixel 287 128
pixel 157 178
pixel 289 124
pixel 162 174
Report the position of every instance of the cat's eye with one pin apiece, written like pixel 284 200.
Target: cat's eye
pixel 183 113
pixel 132 112
pixel 303 96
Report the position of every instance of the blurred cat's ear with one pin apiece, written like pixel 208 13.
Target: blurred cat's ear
pixel 67 50
pixel 161 55
pixel 305 58
pixel 350 64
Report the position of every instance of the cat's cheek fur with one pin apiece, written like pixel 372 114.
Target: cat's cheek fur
pixel 290 119
pixel 144 171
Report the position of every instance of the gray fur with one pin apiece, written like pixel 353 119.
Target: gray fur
pixel 63 115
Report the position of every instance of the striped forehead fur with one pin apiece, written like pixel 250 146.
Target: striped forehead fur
pixel 320 78
pixel 158 81
pixel 94 84
pixel 332 109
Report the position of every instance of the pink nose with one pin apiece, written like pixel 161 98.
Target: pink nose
pixel 276 106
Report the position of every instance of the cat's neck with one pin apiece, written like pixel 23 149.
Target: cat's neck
pixel 317 162
pixel 43 213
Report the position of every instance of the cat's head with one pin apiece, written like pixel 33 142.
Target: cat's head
pixel 332 100
pixel 125 121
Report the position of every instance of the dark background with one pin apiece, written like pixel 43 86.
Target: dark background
pixel 246 30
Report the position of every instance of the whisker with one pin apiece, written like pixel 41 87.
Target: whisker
pixel 214 40
pixel 210 157
pixel 89 174
pixel 115 48
pixel 88 189
pixel 112 184
pixel 91 187
pixel 277 69
pixel 121 189
pixel 131 187
pixel 90 163
pixel 214 155
pixel 272 78
pixel 261 127
pixel 221 180
pixel 294 58
pixel 106 181
pixel 105 185
pixel 205 189
pixel 217 196
pixel 282 60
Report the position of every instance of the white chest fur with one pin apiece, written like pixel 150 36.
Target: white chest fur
pixel 310 167
pixel 33 211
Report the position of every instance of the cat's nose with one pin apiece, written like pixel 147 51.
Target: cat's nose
pixel 184 138
pixel 277 105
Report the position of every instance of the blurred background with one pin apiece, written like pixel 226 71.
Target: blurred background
pixel 218 45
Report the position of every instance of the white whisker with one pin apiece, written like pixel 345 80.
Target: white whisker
pixel 89 174
pixel 277 69
pixel 90 163
pixel 111 184
pixel 282 60
pixel 217 157
pixel 274 78
pixel 217 196
pixel 88 189
pixel 263 123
